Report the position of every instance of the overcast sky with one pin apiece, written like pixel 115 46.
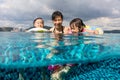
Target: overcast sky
pixel 104 13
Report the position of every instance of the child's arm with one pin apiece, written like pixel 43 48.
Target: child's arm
pixel 97 31
pixel 67 30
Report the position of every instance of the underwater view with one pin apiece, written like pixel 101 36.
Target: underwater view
pixel 30 56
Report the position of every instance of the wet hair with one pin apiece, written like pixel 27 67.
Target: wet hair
pixel 78 23
pixel 37 19
pixel 55 14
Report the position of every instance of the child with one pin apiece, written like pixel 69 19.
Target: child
pixel 77 25
pixel 57 19
pixel 38 24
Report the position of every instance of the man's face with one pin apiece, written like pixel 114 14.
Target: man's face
pixel 58 21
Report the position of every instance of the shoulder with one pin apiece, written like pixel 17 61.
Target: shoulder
pixel 52 29
pixel 67 30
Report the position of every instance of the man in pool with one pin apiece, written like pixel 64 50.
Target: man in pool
pixel 57 19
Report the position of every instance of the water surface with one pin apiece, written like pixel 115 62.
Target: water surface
pixel 42 49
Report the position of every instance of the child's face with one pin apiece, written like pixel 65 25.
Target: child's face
pixel 58 21
pixel 74 29
pixel 39 23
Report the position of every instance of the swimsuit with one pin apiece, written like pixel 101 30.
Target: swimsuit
pixel 62 29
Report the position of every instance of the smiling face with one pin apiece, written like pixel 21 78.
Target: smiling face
pixel 77 25
pixel 39 23
pixel 74 28
pixel 57 21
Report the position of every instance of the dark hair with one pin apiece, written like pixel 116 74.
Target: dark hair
pixel 57 13
pixel 37 19
pixel 77 22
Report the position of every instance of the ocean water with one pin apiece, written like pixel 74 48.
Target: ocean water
pixel 29 55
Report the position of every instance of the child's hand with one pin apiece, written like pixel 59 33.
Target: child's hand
pixel 89 31
pixel 67 30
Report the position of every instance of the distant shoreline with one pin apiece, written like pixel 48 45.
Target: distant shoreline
pixel 9 29
pixel 111 31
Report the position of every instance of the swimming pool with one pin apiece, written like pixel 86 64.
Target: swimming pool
pixel 30 51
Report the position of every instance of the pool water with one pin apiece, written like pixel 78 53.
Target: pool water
pixel 96 56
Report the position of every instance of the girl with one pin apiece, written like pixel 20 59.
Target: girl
pixel 77 25
pixel 38 24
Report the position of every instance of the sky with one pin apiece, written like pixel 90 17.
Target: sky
pixel 21 13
